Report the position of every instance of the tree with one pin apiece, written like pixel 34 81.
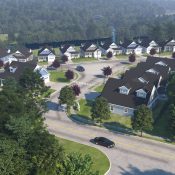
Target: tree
pixel 152 51
pixel 109 54
pixel 76 89
pixel 100 109
pixel 12 159
pixel 173 55
pixel 56 63
pixel 172 120
pixel 132 57
pixel 69 74
pixel 45 153
pixel 31 82
pixel 65 58
pixel 67 96
pixel 142 119
pixel 107 71
pixel 77 164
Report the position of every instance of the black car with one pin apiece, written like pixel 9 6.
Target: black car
pixel 103 142
pixel 80 68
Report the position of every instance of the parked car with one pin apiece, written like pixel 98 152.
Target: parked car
pixel 80 68
pixel 103 142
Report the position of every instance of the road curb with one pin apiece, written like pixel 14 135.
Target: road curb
pixel 107 172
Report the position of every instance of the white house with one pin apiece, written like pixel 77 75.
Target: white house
pixel 69 51
pixel 46 54
pixel 169 46
pixel 153 45
pixel 110 47
pixel 90 50
pixel 134 47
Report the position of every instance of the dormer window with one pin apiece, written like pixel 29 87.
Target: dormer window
pixel 141 93
pixel 124 90
pixel 142 80
pixel 161 63
pixel 12 69
pixel 153 71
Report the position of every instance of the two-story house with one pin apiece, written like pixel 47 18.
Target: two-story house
pixel 138 86
pixel 88 50
pixel 169 46
pixel 46 54
pixel 15 69
pixel 111 47
pixel 69 51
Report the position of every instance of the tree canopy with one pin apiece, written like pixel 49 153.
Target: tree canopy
pixel 142 119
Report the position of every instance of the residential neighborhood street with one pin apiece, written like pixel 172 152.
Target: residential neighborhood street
pixel 132 155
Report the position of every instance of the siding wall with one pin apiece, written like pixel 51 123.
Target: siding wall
pixel 121 110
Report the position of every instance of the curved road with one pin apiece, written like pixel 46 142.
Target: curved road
pixel 132 155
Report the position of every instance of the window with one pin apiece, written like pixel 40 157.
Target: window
pixel 112 108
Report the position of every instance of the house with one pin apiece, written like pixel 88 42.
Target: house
pixel 132 47
pixel 46 54
pixel 89 50
pixel 141 85
pixel 15 69
pixel 69 51
pixel 6 56
pixel 169 46
pixel 111 47
pixel 150 44
pixel 23 55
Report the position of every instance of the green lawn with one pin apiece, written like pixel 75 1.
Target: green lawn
pixel 58 76
pixel 115 120
pixel 169 54
pixel 43 63
pixel 81 60
pixel 121 56
pixel 35 52
pixel 160 127
pixel 99 88
pixel 100 160
pixel 3 37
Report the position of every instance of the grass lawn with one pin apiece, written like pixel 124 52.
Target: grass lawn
pixel 58 76
pixel 48 93
pixel 3 37
pixel 35 52
pixel 81 60
pixel 169 54
pixel 121 56
pixel 160 127
pixel 115 120
pixel 42 63
pixel 99 88
pixel 100 161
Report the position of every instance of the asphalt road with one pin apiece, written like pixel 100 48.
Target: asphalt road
pixel 132 155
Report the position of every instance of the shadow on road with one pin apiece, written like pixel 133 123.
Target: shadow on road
pixel 99 76
pixel 135 171
pixel 52 106
pixel 91 95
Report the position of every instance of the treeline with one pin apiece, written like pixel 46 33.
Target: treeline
pixel 30 21
pixel 26 147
